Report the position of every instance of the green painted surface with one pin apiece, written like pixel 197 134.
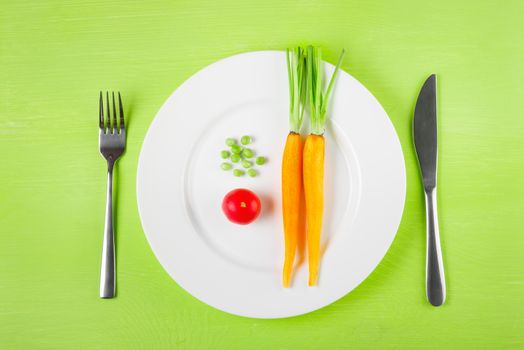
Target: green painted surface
pixel 55 57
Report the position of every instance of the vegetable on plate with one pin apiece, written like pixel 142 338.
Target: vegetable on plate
pixel 242 155
pixel 292 161
pixel 241 206
pixel 248 153
pixel 313 157
pixel 235 158
pixel 226 166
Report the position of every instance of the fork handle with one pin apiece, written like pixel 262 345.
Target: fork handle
pixel 107 271
pixel 435 281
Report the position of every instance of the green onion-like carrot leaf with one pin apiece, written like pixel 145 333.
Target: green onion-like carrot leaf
pixel 318 99
pixel 297 74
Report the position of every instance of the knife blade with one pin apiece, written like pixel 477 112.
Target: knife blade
pixel 425 140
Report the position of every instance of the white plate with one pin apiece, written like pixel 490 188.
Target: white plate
pixel 180 188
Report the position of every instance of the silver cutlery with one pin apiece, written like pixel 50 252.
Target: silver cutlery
pixel 112 140
pixel 425 139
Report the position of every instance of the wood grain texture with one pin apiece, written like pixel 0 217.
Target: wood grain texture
pixel 54 58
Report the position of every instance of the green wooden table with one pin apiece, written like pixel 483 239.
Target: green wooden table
pixel 54 58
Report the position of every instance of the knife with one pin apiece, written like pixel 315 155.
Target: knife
pixel 425 139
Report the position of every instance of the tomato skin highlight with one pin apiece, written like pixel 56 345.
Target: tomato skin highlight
pixel 241 206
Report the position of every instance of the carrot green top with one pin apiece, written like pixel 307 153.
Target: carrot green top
pixel 318 100
pixel 296 69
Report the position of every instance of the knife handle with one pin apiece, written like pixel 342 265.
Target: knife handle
pixel 435 282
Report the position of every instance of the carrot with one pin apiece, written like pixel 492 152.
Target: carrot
pixel 313 157
pixel 291 196
pixel 292 162
pixel 314 193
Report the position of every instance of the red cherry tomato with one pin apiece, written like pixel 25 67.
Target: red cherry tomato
pixel 241 206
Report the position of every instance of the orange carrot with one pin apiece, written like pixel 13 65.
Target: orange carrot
pixel 291 197
pixel 292 162
pixel 313 162
pixel 314 193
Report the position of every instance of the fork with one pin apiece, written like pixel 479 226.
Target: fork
pixel 112 140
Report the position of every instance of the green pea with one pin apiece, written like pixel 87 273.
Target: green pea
pixel 252 172
pixel 226 166
pixel 235 158
pixel 245 140
pixel 238 172
pixel 236 149
pixel 225 154
pixel 260 160
pixel 231 141
pixel 247 164
pixel 248 153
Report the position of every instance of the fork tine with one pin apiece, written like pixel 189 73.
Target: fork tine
pixel 108 119
pixel 121 110
pixel 101 117
pixel 115 128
